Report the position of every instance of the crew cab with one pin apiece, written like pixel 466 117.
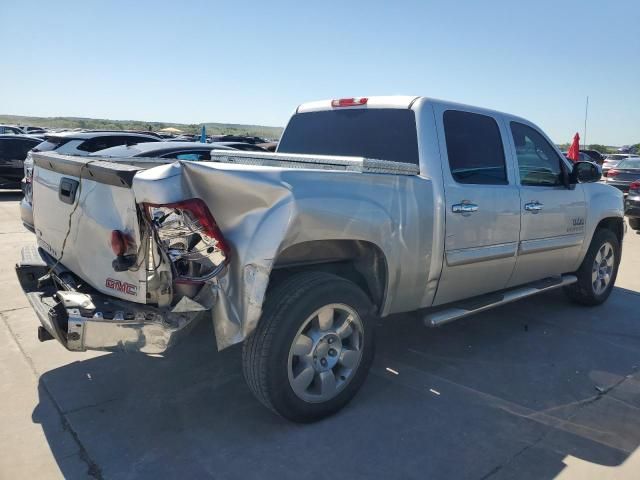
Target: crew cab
pixel 369 207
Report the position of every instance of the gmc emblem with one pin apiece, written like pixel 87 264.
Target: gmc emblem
pixel 123 287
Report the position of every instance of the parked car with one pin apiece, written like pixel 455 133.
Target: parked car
pixel 33 130
pixel 237 138
pixel 10 130
pixel 611 160
pixel 632 205
pixel 182 138
pixel 74 143
pixel 595 156
pixel 13 151
pixel 624 173
pixel 247 147
pixel 370 207
pixel 583 157
pixel 269 146
pixel 172 150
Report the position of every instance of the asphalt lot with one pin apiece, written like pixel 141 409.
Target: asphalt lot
pixel 533 390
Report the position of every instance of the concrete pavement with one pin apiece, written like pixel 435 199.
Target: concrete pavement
pixel 536 389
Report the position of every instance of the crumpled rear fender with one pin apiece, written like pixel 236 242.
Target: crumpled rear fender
pixel 263 211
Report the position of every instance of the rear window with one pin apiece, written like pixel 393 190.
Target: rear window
pixel 474 148
pixel 106 141
pixel 16 149
pixel 381 133
pixel 51 143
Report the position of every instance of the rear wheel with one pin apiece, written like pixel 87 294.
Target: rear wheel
pixel 598 272
pixel 312 348
pixel 634 223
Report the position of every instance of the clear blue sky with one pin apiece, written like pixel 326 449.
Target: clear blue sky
pixel 253 62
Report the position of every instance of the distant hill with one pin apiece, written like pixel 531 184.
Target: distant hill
pixel 102 124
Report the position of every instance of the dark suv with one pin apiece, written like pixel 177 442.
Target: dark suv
pixel 13 151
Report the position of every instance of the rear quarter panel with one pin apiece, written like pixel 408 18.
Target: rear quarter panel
pixel 264 210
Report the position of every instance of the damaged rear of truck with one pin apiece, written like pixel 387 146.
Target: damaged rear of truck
pixel 371 206
pixel 129 258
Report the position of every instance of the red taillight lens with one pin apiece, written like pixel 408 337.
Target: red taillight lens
pixel 349 102
pixel 118 243
pixel 635 185
pixel 613 173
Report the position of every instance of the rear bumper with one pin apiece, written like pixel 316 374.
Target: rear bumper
pixel 92 321
pixel 26 213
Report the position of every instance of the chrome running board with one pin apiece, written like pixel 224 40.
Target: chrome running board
pixel 480 304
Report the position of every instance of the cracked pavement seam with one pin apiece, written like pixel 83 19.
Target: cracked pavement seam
pixel 550 429
pixel 93 469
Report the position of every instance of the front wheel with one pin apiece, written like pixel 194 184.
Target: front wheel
pixel 312 348
pixel 598 272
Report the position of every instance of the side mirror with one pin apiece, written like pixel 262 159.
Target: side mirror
pixel 585 172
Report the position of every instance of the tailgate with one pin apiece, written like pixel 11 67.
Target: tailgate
pixel 77 203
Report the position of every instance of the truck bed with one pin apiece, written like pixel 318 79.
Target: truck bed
pixel 323 162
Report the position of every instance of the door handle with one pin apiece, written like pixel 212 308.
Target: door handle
pixel 533 207
pixel 67 190
pixel 464 207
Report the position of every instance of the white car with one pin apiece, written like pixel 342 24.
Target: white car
pixel 613 160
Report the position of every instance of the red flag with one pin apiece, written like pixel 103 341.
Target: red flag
pixel 574 151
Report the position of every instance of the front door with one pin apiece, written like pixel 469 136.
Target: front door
pixel 482 204
pixel 553 215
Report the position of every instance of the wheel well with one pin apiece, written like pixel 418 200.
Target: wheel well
pixel 359 261
pixel 615 224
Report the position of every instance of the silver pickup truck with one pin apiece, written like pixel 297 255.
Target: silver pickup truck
pixel 370 207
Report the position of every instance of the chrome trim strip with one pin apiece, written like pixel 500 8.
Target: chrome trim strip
pixel 481 254
pixel 552 243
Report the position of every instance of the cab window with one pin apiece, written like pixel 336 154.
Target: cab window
pixel 538 162
pixel 474 148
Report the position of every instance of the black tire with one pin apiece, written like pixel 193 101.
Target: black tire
pixel 265 354
pixel 634 223
pixel 583 291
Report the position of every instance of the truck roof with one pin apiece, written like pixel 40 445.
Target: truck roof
pixel 393 101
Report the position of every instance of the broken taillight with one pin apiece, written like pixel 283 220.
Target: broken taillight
pixel 190 236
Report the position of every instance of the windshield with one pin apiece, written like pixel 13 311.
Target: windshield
pixel 381 133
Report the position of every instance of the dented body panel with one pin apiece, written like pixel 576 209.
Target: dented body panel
pixel 399 226
pixel 264 211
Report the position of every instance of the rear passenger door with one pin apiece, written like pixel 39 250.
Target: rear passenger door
pixel 482 204
pixel 553 215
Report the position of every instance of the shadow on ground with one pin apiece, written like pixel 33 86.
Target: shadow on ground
pixel 504 394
